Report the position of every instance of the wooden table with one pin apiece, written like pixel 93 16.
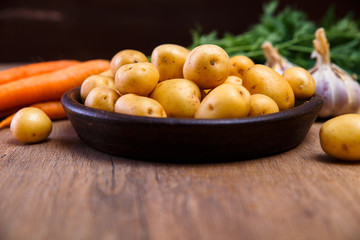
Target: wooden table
pixel 62 189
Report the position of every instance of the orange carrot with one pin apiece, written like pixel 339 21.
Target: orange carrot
pixel 53 109
pixel 33 69
pixel 48 86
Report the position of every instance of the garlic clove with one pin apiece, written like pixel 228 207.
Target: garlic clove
pixel 274 60
pixel 341 93
pixel 353 90
pixel 331 89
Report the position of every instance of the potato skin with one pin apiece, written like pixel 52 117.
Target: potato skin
pixel 340 137
pixel 225 101
pixel 140 106
pixel 234 80
pixel 137 78
pixel 243 91
pixel 207 65
pixel 95 81
pixel 264 80
pixel 124 57
pixel 262 105
pixel 107 73
pixel 301 81
pixel 239 64
pixel 30 125
pixel 102 98
pixel 169 59
pixel 179 97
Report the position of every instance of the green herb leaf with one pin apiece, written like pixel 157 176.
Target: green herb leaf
pixel 292 33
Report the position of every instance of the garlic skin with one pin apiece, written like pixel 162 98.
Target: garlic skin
pixel 274 60
pixel 341 93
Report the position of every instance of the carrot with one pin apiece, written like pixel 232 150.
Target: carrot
pixel 33 69
pixel 48 86
pixel 53 109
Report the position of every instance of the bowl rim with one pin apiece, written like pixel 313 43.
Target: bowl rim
pixel 70 101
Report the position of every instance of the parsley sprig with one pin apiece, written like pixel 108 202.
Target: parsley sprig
pixel 292 33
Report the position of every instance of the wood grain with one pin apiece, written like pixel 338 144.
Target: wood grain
pixel 62 189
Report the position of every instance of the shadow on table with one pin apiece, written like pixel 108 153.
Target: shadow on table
pixel 197 160
pixel 329 159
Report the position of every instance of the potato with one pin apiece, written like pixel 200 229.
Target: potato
pixel 95 81
pixel 230 80
pixel 31 125
pixel 179 97
pixel 102 98
pixel 169 59
pixel 301 81
pixel 137 78
pixel 207 65
pixel 234 80
pixel 340 137
pixel 243 91
pixel 125 57
pixel 225 101
pixel 261 104
pixel 138 105
pixel 107 73
pixel 239 64
pixel 264 80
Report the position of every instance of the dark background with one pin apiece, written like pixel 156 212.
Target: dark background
pixel 77 29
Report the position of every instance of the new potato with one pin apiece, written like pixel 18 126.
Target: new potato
pixel 124 57
pixel 301 81
pixel 234 80
pixel 262 105
pixel 179 97
pixel 239 65
pixel 31 125
pixel 225 101
pixel 137 78
pixel 95 81
pixel 340 137
pixel 138 105
pixel 264 80
pixel 243 91
pixel 169 59
pixel 102 98
pixel 108 73
pixel 207 65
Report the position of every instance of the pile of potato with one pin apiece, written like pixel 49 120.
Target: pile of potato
pixel 202 83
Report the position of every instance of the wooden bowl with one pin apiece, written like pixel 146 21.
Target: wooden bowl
pixel 190 140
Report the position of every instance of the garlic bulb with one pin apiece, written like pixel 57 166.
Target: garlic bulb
pixel 274 60
pixel 341 93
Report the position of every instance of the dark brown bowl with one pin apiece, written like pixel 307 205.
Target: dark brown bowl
pixel 190 140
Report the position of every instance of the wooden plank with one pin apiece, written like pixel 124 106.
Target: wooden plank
pixel 62 189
